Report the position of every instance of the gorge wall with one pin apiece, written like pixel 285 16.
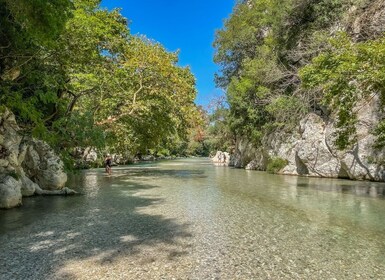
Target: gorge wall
pixel 311 151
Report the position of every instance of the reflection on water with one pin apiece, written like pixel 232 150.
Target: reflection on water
pixel 252 224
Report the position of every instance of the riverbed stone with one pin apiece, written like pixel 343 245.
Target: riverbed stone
pixel 193 221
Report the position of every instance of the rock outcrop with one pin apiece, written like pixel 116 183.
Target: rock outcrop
pixel 27 166
pixel 221 158
pixel 10 192
pixel 43 166
pixel 310 151
pixel 367 22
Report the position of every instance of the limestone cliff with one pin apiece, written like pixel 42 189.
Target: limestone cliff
pixel 310 151
pixel 27 166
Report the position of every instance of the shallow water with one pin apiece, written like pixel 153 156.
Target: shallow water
pixel 188 219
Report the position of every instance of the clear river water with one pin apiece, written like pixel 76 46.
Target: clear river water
pixel 189 219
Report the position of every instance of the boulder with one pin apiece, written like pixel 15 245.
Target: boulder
pixel 10 192
pixel 27 166
pixel 90 155
pixel 10 138
pixel 222 158
pixel 43 166
pixel 148 158
pixel 28 187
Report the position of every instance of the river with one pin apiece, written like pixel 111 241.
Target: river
pixel 188 219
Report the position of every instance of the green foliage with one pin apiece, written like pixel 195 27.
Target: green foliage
pixel 78 130
pixel 281 60
pixel 38 21
pixel 243 33
pixel 75 77
pixel 163 153
pixel 286 111
pixel 345 74
pixel 219 135
pixel 151 98
pixel 380 134
pixel 14 175
pixel 276 164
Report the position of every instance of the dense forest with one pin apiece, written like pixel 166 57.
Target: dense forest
pixel 75 77
pixel 281 60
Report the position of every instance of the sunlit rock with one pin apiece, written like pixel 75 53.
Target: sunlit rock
pixel 222 158
pixel 311 150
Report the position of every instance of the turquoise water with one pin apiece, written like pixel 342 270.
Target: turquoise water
pixel 188 219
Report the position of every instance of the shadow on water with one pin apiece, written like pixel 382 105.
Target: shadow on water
pixel 359 188
pixel 160 173
pixel 107 223
pixel 125 219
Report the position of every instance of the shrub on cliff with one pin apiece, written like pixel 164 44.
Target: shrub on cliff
pixel 276 164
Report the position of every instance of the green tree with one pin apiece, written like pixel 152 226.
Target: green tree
pixel 75 77
pixel 345 74
pixel 260 51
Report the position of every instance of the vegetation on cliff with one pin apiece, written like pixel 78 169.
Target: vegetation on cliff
pixel 282 59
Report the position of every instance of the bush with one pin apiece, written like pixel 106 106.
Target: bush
pixel 14 175
pixel 274 165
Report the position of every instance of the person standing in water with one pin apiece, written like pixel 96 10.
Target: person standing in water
pixel 108 164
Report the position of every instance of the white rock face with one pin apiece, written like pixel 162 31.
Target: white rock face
pixel 244 153
pixel 91 155
pixel 310 154
pixel 25 165
pixel 11 138
pixel 369 21
pixel 10 192
pixel 362 161
pixel 311 151
pixel 44 167
pixel 28 187
pixel 222 158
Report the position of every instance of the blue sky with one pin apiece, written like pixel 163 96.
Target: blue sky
pixel 185 25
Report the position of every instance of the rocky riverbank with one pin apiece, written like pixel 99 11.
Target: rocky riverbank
pixel 311 151
pixel 27 166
